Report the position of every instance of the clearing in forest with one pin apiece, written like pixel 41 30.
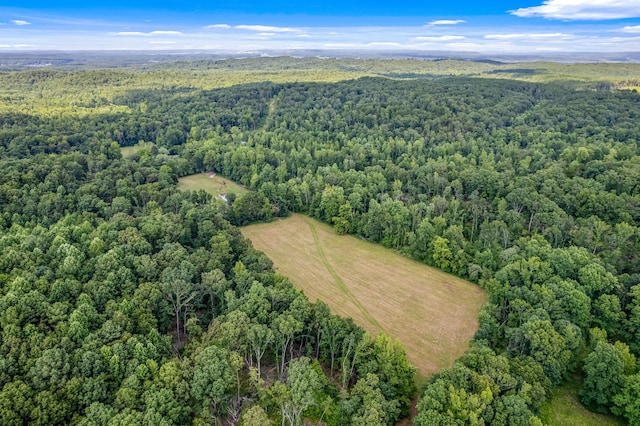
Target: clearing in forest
pixel 130 151
pixel 212 183
pixel 432 313
pixel 565 408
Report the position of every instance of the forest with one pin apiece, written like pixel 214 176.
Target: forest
pixel 126 301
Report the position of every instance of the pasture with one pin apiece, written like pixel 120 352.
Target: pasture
pixel 432 313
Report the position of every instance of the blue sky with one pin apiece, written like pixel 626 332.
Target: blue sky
pixel 510 26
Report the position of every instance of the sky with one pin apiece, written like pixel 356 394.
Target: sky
pixel 507 27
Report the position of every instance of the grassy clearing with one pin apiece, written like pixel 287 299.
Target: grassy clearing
pixel 130 151
pixel 432 313
pixel 565 409
pixel 214 185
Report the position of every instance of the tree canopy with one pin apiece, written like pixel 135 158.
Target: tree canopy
pixel 125 301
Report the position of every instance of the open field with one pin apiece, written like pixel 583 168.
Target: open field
pixel 432 313
pixel 214 185
pixel 565 409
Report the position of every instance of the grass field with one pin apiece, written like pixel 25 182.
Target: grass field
pixel 432 313
pixel 214 185
pixel 130 151
pixel 565 409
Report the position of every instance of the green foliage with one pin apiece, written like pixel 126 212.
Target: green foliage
pixel 369 404
pixel 151 311
pixel 604 370
pixel 385 358
pixel 252 207
pixel 627 401
pixel 124 301
pixel 212 377
pixel 255 416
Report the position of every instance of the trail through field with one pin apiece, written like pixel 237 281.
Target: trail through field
pixel 433 314
pixel 337 278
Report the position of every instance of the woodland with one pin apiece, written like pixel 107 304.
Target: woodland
pixel 125 301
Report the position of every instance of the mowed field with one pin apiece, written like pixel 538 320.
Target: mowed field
pixel 213 184
pixel 432 313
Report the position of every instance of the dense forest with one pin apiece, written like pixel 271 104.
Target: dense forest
pixel 125 301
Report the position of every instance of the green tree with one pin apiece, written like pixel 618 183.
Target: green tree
pixel 627 400
pixel 15 403
pixel 632 325
pixel 342 222
pixel 330 202
pixel 255 416
pixel 386 359
pixel 442 256
pixel 50 370
pixel 180 292
pixel 251 207
pixel 604 377
pixel 215 284
pixel 260 338
pixel 539 339
pixel 369 406
pixel 285 327
pixel 213 378
pixel 305 387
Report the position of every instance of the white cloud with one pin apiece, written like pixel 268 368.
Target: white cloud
pixel 152 33
pixel 618 36
pixel 165 33
pixel 535 36
pixel 267 28
pixel 441 38
pixel 4 46
pixel 20 22
pixel 130 33
pixel 446 22
pixel 581 10
pixel 217 27
pixel 339 45
pixel 383 44
pixel 624 39
pixel 631 29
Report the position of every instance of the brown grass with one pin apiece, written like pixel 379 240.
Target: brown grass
pixel 214 185
pixel 432 313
